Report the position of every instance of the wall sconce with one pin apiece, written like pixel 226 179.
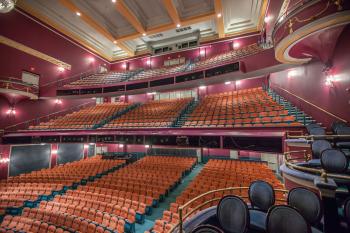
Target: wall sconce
pixel 121 145
pixel 330 79
pixel 4 160
pixel 11 111
pixel 58 101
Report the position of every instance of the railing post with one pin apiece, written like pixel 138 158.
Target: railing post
pixel 180 217
pixel 327 189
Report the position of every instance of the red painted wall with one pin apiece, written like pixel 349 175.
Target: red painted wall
pixel 309 84
pixel 5 154
pixel 22 29
pixel 31 109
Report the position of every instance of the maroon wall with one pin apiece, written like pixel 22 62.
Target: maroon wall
pixel 22 29
pixel 309 84
pixel 31 109
pixel 5 154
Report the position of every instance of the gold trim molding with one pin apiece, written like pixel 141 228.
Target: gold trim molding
pixel 16 45
pixel 283 47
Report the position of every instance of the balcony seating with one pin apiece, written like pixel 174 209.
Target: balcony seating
pixel 102 79
pixel 83 119
pixel 163 71
pixel 116 77
pixel 153 114
pixel 243 108
pixel 230 56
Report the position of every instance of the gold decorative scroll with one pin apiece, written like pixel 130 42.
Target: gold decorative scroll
pixel 33 52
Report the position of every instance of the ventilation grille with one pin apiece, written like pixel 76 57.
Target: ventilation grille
pixel 156 36
pixel 183 29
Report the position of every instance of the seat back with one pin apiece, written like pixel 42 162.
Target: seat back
pixel 286 219
pixel 233 214
pixel 307 203
pixel 334 161
pixel 206 229
pixel 311 126
pixel 347 211
pixel 261 195
pixel 317 131
pixel 318 146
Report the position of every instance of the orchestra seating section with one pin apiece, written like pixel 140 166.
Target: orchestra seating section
pixel 24 193
pixel 203 63
pixel 148 180
pixel 160 113
pixel 83 119
pixel 218 174
pixel 244 108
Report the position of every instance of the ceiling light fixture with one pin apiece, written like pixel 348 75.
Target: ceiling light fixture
pixel 7 5
pixel 114 1
pixel 178 25
pixel 78 13
pixel 219 15
pixel 115 42
pixel 144 34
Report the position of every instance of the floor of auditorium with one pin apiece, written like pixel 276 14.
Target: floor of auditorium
pixel 158 212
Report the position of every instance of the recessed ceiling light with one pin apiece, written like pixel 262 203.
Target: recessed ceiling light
pixel 219 15
pixel 178 25
pixel 144 34
pixel 114 1
pixel 78 13
pixel 115 42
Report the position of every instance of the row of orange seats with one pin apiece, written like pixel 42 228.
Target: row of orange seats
pixel 151 176
pixel 249 108
pixel 85 118
pixel 148 200
pixel 159 113
pixel 49 180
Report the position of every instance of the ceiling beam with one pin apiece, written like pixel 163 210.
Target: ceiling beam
pixel 92 23
pixel 219 18
pixel 129 16
pixel 172 11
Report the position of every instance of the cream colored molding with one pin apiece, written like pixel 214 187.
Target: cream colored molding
pixel 16 45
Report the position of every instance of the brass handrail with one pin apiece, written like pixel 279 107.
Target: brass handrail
pixel 320 172
pixel 328 136
pixel 181 208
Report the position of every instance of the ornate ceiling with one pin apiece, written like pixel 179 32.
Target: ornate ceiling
pixel 116 29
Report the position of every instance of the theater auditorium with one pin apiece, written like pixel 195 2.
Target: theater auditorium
pixel 174 116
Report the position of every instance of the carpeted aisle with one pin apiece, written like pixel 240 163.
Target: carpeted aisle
pixel 158 212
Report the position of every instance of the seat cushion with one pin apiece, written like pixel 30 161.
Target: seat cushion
pixel 257 220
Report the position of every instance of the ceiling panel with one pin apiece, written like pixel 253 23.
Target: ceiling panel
pixel 190 8
pixel 151 13
pixel 107 16
pixel 242 17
